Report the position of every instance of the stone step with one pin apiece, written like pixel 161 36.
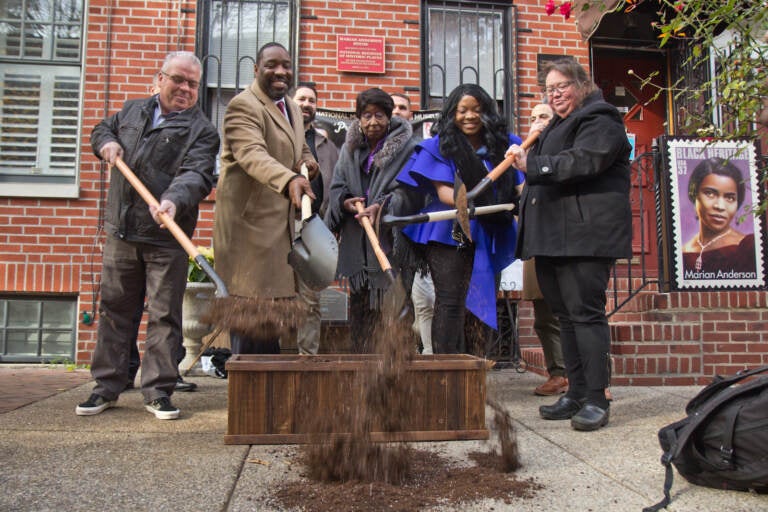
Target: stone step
pixel 677 338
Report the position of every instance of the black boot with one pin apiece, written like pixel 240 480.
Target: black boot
pixel 590 417
pixel 563 409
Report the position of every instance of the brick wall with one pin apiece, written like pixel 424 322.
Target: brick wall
pixel 679 338
pixel 551 35
pixel 54 246
pixel 398 22
pixel 322 21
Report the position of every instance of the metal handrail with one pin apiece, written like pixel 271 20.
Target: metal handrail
pixel 642 163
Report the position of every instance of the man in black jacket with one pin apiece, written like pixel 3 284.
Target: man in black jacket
pixel 171 146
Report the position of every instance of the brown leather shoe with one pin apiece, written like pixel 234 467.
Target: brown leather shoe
pixel 554 386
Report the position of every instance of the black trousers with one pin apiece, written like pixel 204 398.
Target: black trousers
pixel 451 270
pixel 242 344
pixel 363 318
pixel 574 289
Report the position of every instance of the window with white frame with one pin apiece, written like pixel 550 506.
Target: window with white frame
pixel 468 42
pixel 40 66
pixel 234 32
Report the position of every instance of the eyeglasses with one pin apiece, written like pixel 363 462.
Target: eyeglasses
pixel 367 116
pixel 561 87
pixel 179 80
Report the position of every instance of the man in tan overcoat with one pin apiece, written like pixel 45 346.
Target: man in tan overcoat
pixel 262 152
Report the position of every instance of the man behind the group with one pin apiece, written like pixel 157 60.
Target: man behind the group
pixel 171 146
pixel 544 322
pixel 323 149
pixel 402 106
pixel 262 152
pixel 326 153
pixel 422 290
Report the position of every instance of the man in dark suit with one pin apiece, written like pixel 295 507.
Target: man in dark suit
pixel 326 153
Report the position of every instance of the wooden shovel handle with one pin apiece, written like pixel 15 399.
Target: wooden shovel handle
pixel 507 162
pixel 528 142
pixel 166 219
pixel 173 228
pixel 500 169
pixel 306 201
pixel 366 223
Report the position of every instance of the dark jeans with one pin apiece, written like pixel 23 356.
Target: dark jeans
pixel 574 288
pixel 130 272
pixel 451 270
pixel 134 361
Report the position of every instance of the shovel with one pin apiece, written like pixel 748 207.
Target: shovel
pixel 173 228
pixel 380 256
pixel 395 297
pixel 420 218
pixel 464 199
pixel 315 253
pixel 250 316
pixel 499 169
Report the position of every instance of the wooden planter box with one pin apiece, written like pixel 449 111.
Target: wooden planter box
pixel 278 399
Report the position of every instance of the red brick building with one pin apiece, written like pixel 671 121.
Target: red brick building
pixel 64 69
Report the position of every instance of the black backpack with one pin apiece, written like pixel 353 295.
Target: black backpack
pixel 723 442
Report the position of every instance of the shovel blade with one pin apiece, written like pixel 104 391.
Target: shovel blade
pixel 315 254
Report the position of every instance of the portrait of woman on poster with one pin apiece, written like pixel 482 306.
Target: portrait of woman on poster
pixel 717 190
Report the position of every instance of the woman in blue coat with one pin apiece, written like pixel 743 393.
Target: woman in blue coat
pixel 576 220
pixel 471 139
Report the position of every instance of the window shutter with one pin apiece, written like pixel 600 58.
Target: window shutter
pixel 32 143
pixel 20 93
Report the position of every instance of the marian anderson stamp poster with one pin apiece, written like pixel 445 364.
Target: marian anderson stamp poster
pixel 717 242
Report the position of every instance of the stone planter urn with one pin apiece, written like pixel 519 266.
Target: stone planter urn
pixel 197 300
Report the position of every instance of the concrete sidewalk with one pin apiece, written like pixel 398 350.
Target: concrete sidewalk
pixel 125 459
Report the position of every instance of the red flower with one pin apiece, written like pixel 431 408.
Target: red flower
pixel 550 7
pixel 679 6
pixel 565 9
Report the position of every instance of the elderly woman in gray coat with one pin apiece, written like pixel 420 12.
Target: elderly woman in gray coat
pixel 377 146
pixel 576 220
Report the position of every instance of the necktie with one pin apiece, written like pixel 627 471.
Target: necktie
pixel 281 106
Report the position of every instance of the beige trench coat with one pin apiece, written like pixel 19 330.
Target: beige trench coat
pixel 253 221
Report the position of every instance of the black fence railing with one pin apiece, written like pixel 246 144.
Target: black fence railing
pixel 631 276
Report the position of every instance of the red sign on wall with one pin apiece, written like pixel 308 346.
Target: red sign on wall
pixel 360 54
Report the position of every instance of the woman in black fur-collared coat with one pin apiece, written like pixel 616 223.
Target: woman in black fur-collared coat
pixel 376 147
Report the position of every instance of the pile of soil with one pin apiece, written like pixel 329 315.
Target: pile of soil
pixel 352 473
pixel 432 480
